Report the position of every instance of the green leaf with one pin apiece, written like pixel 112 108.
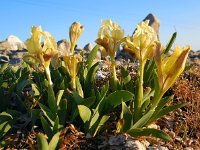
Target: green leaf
pixel 163 102
pixel 126 79
pixel 166 110
pixel 88 101
pixel 52 100
pixel 47 113
pixel 4 128
pixel 54 141
pixel 59 96
pixel 149 73
pixel 79 87
pixel 143 120
pixel 97 126
pixel 42 143
pixel 4 67
pixel 104 90
pixel 62 112
pixel 84 112
pixel 116 98
pixel 127 117
pixel 47 127
pixel 56 125
pixel 92 56
pixel 149 132
pixel 89 82
pixel 169 45
pixel 35 90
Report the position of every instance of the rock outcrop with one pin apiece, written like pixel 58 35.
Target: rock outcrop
pixel 12 50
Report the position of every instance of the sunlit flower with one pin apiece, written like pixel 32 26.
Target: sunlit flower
pixel 142 44
pixel 72 63
pixel 75 32
pixel 169 68
pixel 109 36
pixel 41 51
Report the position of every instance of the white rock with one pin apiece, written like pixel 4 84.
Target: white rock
pixel 134 145
pixel 14 42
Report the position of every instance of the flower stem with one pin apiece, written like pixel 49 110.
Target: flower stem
pixel 73 83
pixel 138 101
pixel 48 74
pixel 114 75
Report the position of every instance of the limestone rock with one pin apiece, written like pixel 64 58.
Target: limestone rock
pixel 12 50
pixel 63 47
pixel 12 43
pixel 88 47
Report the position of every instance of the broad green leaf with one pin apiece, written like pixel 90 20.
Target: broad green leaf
pixel 42 143
pixel 35 114
pixel 88 101
pixel 163 102
pixel 4 67
pixel 126 79
pixel 4 128
pixel 62 111
pixel 52 99
pixel 56 125
pixel 47 113
pixel 22 85
pixel 149 132
pixel 47 127
pixel 79 87
pixel 89 82
pixel 166 110
pixel 149 73
pixel 127 117
pixel 116 98
pixel 4 116
pixel 54 141
pixel 99 124
pixel 104 90
pixel 59 96
pixel 84 112
pixel 92 56
pixel 35 90
pixel 142 121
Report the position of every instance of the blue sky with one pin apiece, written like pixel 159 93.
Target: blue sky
pixel 56 16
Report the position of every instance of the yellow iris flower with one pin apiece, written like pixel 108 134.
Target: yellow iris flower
pixel 72 63
pixel 109 36
pixel 169 68
pixel 41 53
pixel 75 32
pixel 142 44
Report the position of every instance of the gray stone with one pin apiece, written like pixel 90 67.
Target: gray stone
pixel 88 47
pixel 12 50
pixel 117 140
pixel 63 47
pixel 134 145
pixel 12 43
